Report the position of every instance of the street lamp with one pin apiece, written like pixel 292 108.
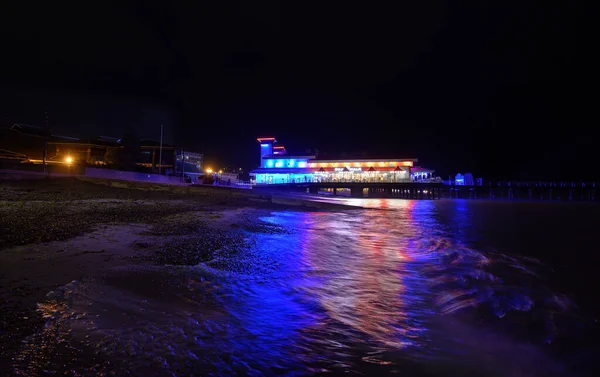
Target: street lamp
pixel 68 160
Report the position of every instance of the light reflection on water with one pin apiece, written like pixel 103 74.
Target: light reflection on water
pixel 387 290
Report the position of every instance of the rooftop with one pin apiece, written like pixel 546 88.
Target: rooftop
pixel 89 142
pixel 30 130
pixel 369 160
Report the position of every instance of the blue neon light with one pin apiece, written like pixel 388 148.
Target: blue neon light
pixel 269 163
pixel 279 163
pixel 264 145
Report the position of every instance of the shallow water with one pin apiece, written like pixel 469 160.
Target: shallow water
pixel 421 288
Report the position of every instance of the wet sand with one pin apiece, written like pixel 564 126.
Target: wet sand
pixel 53 232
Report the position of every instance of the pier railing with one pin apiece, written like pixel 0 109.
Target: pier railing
pixel 560 184
pixel 500 190
pixel 373 180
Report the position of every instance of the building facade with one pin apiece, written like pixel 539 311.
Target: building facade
pixel 277 167
pixel 194 158
pixel 31 143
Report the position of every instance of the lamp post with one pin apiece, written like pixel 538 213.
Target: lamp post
pixel 45 141
pixel 160 150
pixel 182 166
pixel 45 154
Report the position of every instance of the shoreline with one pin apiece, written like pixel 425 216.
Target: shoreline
pixel 131 233
pixel 68 229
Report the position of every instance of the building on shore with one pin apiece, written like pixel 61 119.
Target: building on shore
pixel 157 157
pixel 24 140
pixel 93 151
pixel 30 143
pixel 193 158
pixel 277 167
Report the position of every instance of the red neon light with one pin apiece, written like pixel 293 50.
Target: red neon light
pixel 260 139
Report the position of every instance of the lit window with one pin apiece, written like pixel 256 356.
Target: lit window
pixel 279 163
pixel 270 163
pixel 302 164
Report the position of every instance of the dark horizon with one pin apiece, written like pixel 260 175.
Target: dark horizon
pixel 498 90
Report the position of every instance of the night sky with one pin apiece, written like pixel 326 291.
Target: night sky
pixel 497 89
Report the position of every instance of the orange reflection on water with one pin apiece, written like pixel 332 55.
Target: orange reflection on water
pixel 365 285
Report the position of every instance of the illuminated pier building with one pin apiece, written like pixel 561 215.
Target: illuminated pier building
pixel 277 167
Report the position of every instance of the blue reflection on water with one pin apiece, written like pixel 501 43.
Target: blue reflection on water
pixel 382 276
pixel 394 288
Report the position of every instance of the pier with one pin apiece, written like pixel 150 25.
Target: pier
pixel 530 191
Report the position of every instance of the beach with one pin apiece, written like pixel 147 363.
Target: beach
pixel 55 231
pixel 150 280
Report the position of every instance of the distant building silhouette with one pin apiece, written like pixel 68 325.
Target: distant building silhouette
pixel 469 179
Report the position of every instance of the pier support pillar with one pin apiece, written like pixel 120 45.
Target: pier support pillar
pixel 356 192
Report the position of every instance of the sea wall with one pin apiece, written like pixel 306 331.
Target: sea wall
pixel 131 176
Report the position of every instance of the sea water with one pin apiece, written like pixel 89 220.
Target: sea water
pixel 399 287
